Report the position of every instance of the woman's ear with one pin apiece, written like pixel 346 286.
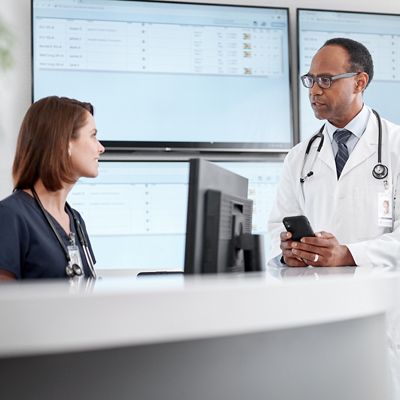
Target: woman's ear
pixel 69 149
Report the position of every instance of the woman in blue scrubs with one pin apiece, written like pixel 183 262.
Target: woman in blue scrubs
pixel 41 236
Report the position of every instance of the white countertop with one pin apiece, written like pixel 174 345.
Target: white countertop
pixel 48 317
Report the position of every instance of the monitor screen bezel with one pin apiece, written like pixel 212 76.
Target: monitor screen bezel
pixel 123 145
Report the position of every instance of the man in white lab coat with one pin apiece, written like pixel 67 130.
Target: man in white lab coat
pixel 351 202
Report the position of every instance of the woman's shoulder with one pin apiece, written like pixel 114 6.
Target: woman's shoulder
pixel 17 203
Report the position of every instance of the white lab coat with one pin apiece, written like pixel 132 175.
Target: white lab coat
pixel 348 207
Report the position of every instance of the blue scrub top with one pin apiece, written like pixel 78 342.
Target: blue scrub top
pixel 28 247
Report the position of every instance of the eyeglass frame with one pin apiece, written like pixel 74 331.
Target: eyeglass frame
pixel 331 79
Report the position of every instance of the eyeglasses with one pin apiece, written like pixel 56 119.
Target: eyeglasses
pixel 324 81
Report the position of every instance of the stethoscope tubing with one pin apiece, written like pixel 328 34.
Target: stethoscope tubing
pixel 380 171
pixel 81 237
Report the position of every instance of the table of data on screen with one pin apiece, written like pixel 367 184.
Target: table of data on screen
pixel 158 47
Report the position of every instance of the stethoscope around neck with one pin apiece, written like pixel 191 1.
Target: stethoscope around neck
pixel 380 171
pixel 72 270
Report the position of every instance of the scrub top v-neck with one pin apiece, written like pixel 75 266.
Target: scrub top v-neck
pixel 29 249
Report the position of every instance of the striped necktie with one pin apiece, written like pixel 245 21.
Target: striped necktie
pixel 341 137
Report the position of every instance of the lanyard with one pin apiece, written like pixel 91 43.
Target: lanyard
pixel 79 230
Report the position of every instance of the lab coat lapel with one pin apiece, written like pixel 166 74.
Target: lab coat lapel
pixel 365 148
pixel 326 153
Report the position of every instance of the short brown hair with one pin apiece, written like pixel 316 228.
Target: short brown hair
pixel 43 141
pixel 360 58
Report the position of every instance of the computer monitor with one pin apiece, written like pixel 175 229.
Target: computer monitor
pixel 380 33
pixel 169 74
pixel 218 229
pixel 134 207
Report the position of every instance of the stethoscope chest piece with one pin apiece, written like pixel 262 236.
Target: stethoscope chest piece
pixel 380 171
pixel 73 270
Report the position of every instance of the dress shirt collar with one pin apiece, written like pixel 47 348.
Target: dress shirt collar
pixel 356 126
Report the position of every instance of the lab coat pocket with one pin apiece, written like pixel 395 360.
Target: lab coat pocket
pixel 370 210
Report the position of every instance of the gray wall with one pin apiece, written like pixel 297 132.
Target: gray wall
pixel 15 85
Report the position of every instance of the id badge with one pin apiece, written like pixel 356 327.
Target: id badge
pixel 385 209
pixel 75 255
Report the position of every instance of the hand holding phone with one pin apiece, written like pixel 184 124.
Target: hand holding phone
pixel 298 226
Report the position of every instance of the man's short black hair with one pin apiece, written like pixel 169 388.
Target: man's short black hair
pixel 359 56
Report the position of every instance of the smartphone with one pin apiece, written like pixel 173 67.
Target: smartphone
pixel 299 226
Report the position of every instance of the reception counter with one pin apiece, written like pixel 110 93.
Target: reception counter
pixel 301 333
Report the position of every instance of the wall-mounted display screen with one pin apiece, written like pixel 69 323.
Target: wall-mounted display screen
pixel 165 74
pixel 135 211
pixel 380 33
